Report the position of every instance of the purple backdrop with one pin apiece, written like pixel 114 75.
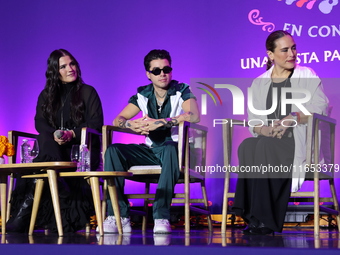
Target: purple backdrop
pixel 207 39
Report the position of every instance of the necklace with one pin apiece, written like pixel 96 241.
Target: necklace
pixel 62 109
pixel 277 113
pixel 159 103
pixel 166 92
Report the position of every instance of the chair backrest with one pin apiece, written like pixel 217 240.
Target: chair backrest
pixel 197 138
pixel 93 139
pixel 89 136
pixel 15 138
pixel 321 145
pixel 228 129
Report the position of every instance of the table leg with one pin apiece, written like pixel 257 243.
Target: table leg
pixel 96 201
pixel 9 195
pixel 3 192
pixel 36 201
pixel 114 200
pixel 52 179
pixel 105 197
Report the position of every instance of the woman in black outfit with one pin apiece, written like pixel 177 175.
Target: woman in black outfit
pixel 262 199
pixel 66 105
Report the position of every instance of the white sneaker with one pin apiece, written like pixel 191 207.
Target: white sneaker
pixel 126 225
pixel 110 225
pixel 162 226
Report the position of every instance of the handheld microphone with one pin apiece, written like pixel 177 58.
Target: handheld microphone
pixel 59 133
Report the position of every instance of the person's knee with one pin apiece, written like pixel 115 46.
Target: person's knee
pixel 248 143
pixel 111 153
pixel 171 148
pixel 114 148
pixel 266 143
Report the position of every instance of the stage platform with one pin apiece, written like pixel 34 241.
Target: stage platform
pixel 199 241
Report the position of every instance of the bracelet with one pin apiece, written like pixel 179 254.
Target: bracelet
pixel 169 123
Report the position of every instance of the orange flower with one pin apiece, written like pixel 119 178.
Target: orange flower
pixel 6 148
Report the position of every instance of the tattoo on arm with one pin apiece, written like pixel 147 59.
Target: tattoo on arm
pixel 160 122
pixel 170 122
pixel 174 121
pixel 121 122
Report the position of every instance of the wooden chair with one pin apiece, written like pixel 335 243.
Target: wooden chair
pixel 150 174
pixel 317 126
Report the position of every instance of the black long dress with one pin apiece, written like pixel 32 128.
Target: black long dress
pixel 263 198
pixel 74 194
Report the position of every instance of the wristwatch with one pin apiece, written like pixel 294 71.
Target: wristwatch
pixel 294 115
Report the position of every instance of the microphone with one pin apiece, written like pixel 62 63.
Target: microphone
pixel 59 133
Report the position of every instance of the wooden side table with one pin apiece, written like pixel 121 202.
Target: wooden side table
pixel 94 182
pixel 29 168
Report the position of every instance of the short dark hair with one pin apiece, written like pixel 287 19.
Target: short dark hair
pixel 156 54
pixel 271 42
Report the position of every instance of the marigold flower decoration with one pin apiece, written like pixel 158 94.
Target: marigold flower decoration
pixel 6 148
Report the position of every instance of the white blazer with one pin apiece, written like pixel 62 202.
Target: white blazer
pixel 303 78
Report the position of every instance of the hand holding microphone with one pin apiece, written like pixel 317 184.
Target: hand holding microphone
pixel 63 136
pixel 59 134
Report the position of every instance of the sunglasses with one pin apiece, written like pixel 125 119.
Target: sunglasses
pixel 157 70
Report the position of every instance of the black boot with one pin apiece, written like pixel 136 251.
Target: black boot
pixel 21 206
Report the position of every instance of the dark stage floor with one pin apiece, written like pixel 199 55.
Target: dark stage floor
pixel 291 240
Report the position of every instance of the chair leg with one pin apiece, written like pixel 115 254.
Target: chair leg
pixel 52 179
pixel 96 201
pixel 187 203
pixel 225 204
pixel 316 208
pixel 146 207
pixel 206 204
pixel 335 202
pixel 39 185
pixel 10 189
pixel 115 206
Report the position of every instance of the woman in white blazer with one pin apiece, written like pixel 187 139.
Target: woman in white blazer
pixel 271 160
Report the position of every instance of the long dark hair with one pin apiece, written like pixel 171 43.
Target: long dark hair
pixel 271 43
pixel 52 90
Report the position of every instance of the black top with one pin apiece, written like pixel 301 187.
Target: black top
pixel 92 117
pixel 277 113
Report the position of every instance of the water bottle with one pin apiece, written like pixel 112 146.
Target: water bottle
pixel 85 159
pixel 25 151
